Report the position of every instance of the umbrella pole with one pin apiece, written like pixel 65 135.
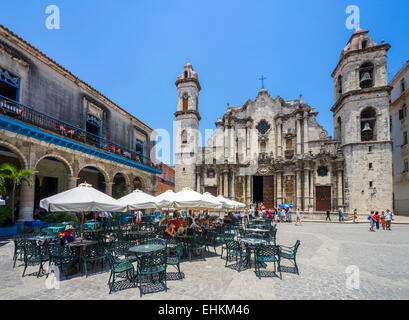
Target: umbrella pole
pixel 82 224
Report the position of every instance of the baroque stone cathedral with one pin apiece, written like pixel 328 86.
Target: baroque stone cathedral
pixel 274 151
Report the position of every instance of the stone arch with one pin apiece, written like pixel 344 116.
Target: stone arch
pixel 99 167
pixel 17 152
pixel 126 177
pixel 68 166
pixel 144 183
pixel 368 123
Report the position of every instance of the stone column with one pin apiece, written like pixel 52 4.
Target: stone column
pixel 305 124
pixel 298 189
pixel 249 194
pixel 108 188
pixel 279 188
pixel 298 132
pixel 220 183
pixel 279 138
pixel 306 189
pixel 26 209
pixel 226 184
pixel 72 182
pixel 244 189
pixel 339 188
pixel 233 186
pixel 198 181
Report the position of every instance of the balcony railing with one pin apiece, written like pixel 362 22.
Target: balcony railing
pixel 167 182
pixel 28 115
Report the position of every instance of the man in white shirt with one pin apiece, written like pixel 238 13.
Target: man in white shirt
pixel 298 213
pixel 388 219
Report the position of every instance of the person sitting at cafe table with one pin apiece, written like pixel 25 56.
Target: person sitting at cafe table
pixel 171 230
pixel 67 235
pixel 165 220
pixel 195 224
pixel 183 228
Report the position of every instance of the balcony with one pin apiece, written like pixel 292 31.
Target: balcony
pixel 25 114
pixel 167 182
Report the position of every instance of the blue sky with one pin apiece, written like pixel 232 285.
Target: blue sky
pixel 132 51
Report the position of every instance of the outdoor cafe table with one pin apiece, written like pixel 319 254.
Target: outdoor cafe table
pixel 90 225
pixel 145 248
pixel 252 244
pixel 53 229
pixel 42 238
pixel 257 230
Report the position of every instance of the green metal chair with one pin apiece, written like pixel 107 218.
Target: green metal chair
pixel 224 237
pixel 196 247
pixel 173 259
pixel 290 253
pixel 18 249
pixel 93 254
pixel 237 250
pixel 35 254
pixel 118 267
pixel 267 253
pixel 60 255
pixel 211 239
pixel 152 264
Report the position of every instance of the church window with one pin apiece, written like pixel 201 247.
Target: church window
pixel 263 127
pixel 340 84
pixel 211 173
pixel 184 137
pixel 405 138
pixel 186 74
pixel 366 75
pixel 185 101
pixel 364 43
pixel 370 165
pixel 370 184
pixel 368 122
pixel 370 149
pixel 322 171
pixel 339 129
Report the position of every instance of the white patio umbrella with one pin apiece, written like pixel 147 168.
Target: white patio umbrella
pixel 139 200
pixel 189 199
pixel 165 199
pixel 239 205
pixel 82 198
pixel 226 203
pixel 2 202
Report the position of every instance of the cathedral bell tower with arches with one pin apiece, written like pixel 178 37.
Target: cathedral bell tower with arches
pixel 361 123
pixel 187 128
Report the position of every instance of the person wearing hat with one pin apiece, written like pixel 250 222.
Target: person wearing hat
pixel 67 235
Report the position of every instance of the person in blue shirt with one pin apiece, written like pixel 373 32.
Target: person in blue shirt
pixel 341 215
pixel 156 214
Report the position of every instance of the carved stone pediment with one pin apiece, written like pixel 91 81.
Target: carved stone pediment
pixel 264 170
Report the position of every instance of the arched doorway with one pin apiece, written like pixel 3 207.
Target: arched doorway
pixel 137 184
pixel 51 178
pixel 93 176
pixel 119 186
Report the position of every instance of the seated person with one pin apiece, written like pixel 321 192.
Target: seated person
pixel 195 224
pixel 176 221
pixel 171 230
pixel 183 228
pixel 165 220
pixel 206 222
pixel 67 235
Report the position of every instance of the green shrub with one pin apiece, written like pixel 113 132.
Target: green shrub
pixel 58 217
pixel 6 219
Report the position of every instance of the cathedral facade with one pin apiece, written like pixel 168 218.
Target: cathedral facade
pixel 274 151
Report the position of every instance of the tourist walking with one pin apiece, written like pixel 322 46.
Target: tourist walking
pixel 341 215
pixel 298 213
pixel 355 216
pixel 328 216
pixel 388 219
pixel 246 216
pixel 371 221
pixel 377 218
pixel 383 220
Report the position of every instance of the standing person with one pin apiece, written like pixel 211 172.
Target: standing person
pixel 377 218
pixel 341 215
pixel 383 220
pixel 371 221
pixel 328 216
pixel 355 216
pixel 246 216
pixel 388 219
pixel 250 212
pixel 157 215
pixel 298 213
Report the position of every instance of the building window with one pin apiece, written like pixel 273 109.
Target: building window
pixel 370 149
pixel 340 84
pixel 368 122
pixel 139 150
pixel 184 137
pixel 9 85
pixel 185 102
pixel 402 85
pixel 338 129
pixel 366 75
pixel 263 126
pixel 364 43
pixel 402 112
pixel 405 165
pixel 322 171
pixel 405 138
pixel 186 75
pixel 370 184
pixel 370 165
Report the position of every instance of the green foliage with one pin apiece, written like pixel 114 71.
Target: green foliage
pixel 58 217
pixel 118 192
pixel 5 216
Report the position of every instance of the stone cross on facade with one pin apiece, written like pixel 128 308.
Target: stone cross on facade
pixel 262 81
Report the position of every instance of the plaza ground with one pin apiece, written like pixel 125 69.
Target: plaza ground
pixel 326 251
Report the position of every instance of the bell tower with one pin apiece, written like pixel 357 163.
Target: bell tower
pixel 187 128
pixel 361 123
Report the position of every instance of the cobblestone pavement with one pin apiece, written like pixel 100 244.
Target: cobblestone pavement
pixel 325 253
